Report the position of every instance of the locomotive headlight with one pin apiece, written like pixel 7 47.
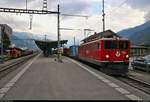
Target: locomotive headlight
pixel 127 56
pixel 107 56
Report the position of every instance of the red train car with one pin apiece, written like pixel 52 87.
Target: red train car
pixel 15 52
pixel 110 53
pixel 66 51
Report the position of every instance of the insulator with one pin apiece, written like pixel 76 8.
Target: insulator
pixel 44 5
pixel 31 18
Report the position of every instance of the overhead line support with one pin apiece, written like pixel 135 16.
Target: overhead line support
pixel 26 11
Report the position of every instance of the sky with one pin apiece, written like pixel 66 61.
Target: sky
pixel 120 14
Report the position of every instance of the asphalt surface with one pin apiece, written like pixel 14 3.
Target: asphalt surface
pixel 46 79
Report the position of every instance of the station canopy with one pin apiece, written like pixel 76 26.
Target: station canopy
pixel 49 44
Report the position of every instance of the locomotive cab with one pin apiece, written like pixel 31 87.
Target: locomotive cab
pixel 115 53
pixel 113 50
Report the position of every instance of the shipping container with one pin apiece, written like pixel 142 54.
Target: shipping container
pixel 74 50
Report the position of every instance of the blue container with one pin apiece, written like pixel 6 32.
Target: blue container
pixel 74 50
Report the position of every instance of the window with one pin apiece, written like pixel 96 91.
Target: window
pixel 123 44
pixel 106 45
pixel 111 44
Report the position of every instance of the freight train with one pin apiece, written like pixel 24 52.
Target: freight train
pixel 111 54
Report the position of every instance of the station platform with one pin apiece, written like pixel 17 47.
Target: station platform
pixel 43 78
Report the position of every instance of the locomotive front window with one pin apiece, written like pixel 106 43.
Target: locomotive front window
pixel 106 44
pixel 111 44
pixel 123 45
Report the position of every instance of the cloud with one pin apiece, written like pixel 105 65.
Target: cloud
pixel 147 16
pixel 117 18
pixel 14 3
pixel 73 7
pixel 12 21
pixel 139 4
pixel 143 5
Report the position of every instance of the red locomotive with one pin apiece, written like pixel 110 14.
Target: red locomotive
pixel 112 53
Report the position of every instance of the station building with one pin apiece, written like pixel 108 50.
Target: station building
pixel 7 32
pixel 140 50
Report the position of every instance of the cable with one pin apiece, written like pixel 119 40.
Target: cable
pixel 74 15
pixel 122 3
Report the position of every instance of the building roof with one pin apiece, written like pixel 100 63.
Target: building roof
pixel 147 44
pixel 51 42
pixel 7 30
pixel 106 34
pixel 139 46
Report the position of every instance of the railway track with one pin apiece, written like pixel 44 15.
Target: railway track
pixel 136 83
pixel 11 67
pixel 130 80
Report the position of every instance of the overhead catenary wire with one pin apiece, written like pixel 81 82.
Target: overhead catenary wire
pixel 74 15
pixel 121 4
pixel 115 10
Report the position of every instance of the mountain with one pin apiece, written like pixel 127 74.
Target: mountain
pixel 138 35
pixel 22 39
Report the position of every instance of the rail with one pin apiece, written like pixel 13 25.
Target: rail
pixel 136 83
pixel 4 70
